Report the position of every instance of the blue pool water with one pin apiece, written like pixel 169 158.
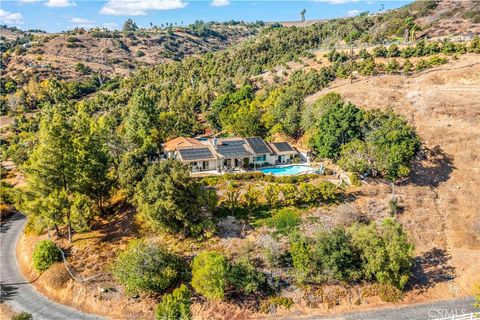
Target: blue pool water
pixel 285 171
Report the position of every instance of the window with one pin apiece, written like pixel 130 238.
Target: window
pixel 262 158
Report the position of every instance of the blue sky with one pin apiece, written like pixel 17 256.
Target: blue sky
pixel 58 15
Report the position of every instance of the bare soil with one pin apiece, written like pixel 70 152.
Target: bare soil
pixel 440 201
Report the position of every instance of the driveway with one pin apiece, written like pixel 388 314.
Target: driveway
pixel 15 290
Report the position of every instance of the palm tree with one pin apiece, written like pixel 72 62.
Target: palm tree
pixel 302 14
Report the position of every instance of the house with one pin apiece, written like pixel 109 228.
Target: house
pixel 232 152
pixel 229 153
pixel 199 157
pixel 283 151
pixel 263 154
pixel 170 147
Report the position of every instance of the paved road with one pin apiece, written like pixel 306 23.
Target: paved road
pixel 15 290
pixel 22 296
pixel 427 311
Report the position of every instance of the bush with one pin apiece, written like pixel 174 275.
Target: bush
pixel 290 194
pixel 337 257
pixel 45 254
pixel 328 191
pixel 146 267
pixel 22 316
pixel 209 270
pixel 175 305
pixel 271 192
pixel 271 304
pixel 251 197
pixel 140 54
pixel 386 253
pixel 243 276
pixel 284 220
pixel 301 258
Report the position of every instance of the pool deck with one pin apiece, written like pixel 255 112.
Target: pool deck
pixel 216 173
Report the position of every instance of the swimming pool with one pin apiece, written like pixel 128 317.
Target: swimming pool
pixel 287 170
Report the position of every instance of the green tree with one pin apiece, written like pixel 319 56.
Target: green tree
pixel 209 271
pixel 141 121
pixel 337 126
pixel 393 142
pixel 146 267
pixel 169 199
pixel 129 25
pixel 336 256
pixel 385 251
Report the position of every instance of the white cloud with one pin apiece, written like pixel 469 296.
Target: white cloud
pixel 60 3
pixel 139 7
pixel 220 3
pixel 353 13
pixel 81 20
pixel 110 25
pixel 11 18
pixel 336 1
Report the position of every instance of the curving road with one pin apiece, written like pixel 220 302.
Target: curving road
pixel 18 293
pixel 15 290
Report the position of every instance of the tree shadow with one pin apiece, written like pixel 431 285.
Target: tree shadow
pixel 7 292
pixel 431 167
pixel 431 268
pixel 7 222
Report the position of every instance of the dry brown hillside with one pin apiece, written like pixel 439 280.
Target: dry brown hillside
pixel 113 53
pixel 452 17
pixel 440 202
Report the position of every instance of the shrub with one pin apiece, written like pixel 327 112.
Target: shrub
pixel 209 270
pixel 45 254
pixel 271 304
pixel 290 194
pixel 389 293
pixel 22 316
pixel 175 305
pixel 251 197
pixel 309 193
pixel 271 192
pixel 146 267
pixel 243 276
pixel 386 253
pixel 301 258
pixel 232 196
pixel 140 53
pixel 328 191
pixel 284 220
pixel 336 255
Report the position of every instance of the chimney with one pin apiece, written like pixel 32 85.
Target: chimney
pixel 214 142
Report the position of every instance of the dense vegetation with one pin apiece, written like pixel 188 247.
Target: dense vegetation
pixel 374 142
pixel 88 141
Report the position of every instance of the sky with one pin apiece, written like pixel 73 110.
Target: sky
pixel 60 15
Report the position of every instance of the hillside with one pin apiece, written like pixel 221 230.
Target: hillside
pixel 111 52
pixel 385 214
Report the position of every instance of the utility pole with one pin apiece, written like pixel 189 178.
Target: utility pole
pixel 351 64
